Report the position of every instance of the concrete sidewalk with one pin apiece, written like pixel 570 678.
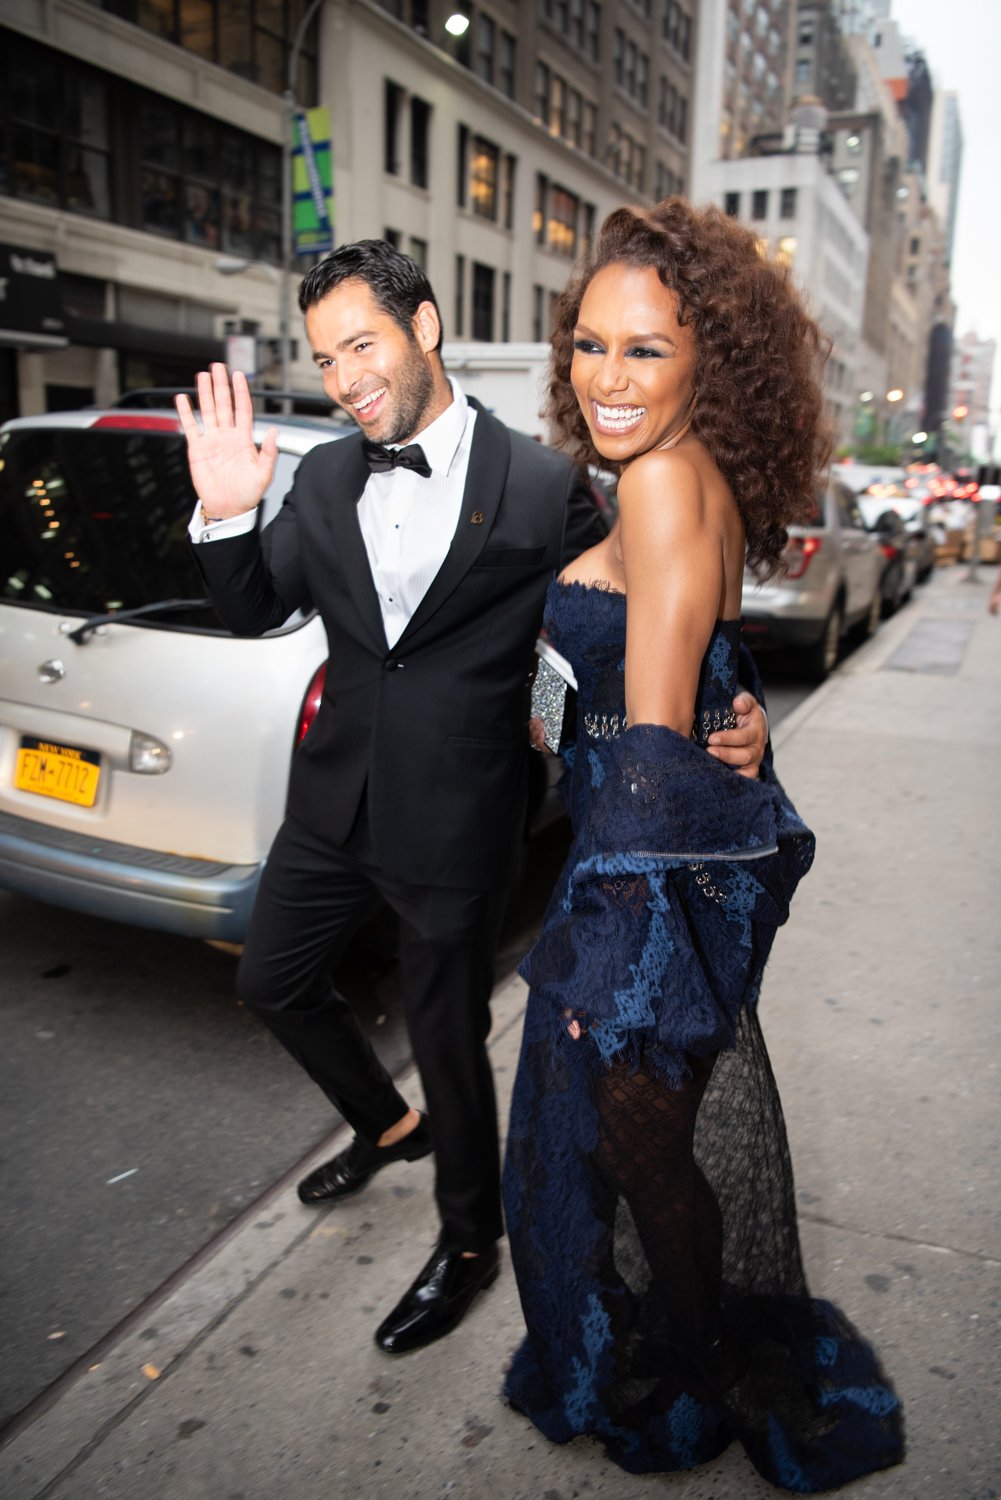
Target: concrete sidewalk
pixel 257 1376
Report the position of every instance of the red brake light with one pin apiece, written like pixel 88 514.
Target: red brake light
pixel 799 550
pixel 311 703
pixel 139 420
pixel 888 550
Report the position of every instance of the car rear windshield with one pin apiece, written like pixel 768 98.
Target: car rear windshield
pixel 96 520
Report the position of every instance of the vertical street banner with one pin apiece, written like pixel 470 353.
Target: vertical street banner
pixel 312 183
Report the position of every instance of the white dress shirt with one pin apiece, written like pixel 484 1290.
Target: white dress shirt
pixel 407 522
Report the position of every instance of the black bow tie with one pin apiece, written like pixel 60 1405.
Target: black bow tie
pixel 381 459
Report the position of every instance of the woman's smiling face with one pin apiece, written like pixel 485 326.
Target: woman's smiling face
pixel 633 363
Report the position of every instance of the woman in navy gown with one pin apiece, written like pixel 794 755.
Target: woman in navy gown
pixel 648 1187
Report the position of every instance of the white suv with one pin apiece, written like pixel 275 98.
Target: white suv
pixel 144 751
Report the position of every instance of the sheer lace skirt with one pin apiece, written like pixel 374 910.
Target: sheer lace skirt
pixel 653 1235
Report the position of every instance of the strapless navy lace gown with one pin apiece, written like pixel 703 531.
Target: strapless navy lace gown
pixel 647 1185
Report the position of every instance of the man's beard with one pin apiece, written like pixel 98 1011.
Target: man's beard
pixel 413 389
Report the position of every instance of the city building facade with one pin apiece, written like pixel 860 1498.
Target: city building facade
pixel 144 213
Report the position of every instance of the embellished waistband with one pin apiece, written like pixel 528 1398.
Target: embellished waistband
pixel 610 726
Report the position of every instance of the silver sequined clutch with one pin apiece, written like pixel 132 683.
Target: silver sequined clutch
pixel 553 675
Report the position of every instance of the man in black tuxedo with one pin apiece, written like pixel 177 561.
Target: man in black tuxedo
pixel 429 564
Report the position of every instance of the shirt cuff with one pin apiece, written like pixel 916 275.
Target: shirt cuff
pixel 207 531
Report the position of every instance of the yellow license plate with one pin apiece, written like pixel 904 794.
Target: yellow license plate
pixel 60 771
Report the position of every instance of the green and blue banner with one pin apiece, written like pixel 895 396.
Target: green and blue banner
pixel 312 183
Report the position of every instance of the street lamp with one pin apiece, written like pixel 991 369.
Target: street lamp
pixel 288 145
pixel 457 24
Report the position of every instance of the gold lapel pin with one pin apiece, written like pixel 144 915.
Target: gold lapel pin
pixel 476 519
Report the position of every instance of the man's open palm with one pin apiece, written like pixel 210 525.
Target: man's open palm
pixel 229 472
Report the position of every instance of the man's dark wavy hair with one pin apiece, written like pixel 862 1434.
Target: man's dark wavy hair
pixel 397 283
pixel 758 360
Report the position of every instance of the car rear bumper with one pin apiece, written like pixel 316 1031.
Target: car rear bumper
pixel 198 898
pixel 780 630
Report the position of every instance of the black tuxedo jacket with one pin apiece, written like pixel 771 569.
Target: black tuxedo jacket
pixel 435 727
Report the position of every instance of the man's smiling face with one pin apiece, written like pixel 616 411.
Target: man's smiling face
pixel 388 379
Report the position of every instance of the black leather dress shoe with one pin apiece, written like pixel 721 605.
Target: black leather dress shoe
pixel 352 1169
pixel 438 1300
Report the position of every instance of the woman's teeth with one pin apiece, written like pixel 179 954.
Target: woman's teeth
pixel 619 417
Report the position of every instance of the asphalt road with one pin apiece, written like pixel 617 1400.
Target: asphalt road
pixel 142 1109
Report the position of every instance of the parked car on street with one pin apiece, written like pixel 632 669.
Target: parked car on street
pixel 827 586
pixel 913 506
pixel 900 554
pixel 144 751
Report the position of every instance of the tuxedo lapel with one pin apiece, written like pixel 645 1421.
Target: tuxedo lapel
pixel 489 460
pixel 342 515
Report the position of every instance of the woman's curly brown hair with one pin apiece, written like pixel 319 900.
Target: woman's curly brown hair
pixel 758 357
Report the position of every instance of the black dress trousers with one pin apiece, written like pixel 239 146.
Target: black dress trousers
pixel 313 896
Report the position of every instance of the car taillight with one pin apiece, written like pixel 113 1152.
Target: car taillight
pixel 888 550
pixel 311 703
pixel 798 552
pixel 139 421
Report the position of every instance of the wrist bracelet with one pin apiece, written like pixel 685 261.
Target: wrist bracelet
pixel 208 520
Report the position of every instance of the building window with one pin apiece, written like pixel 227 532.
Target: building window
pixel 59 157
pixel 668 184
pixel 626 157
pixel 510 167
pixel 541 93
pixel 576 26
pixel 759 203
pixel 670 113
pixel 677 28
pixel 484 175
pixel 538 306
pixel 460 295
pixel 508 55
pixel 587 232
pixel 561 221
pixel 539 215
pixel 682 118
pixel 731 205
pixel 589 129
pixel 578 20
pixel 572 131
pixel 252 41
pixel 787 204
pixel 173 171
pixel 486 41
pixel 393 237
pixel 557 107
pixel 462 166
pixel 594 31
pixel 506 306
pixel 618 54
pixel 483 302
pixel 420 132
pixel 393 107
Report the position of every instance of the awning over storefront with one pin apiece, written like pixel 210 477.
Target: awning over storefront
pixel 31 306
